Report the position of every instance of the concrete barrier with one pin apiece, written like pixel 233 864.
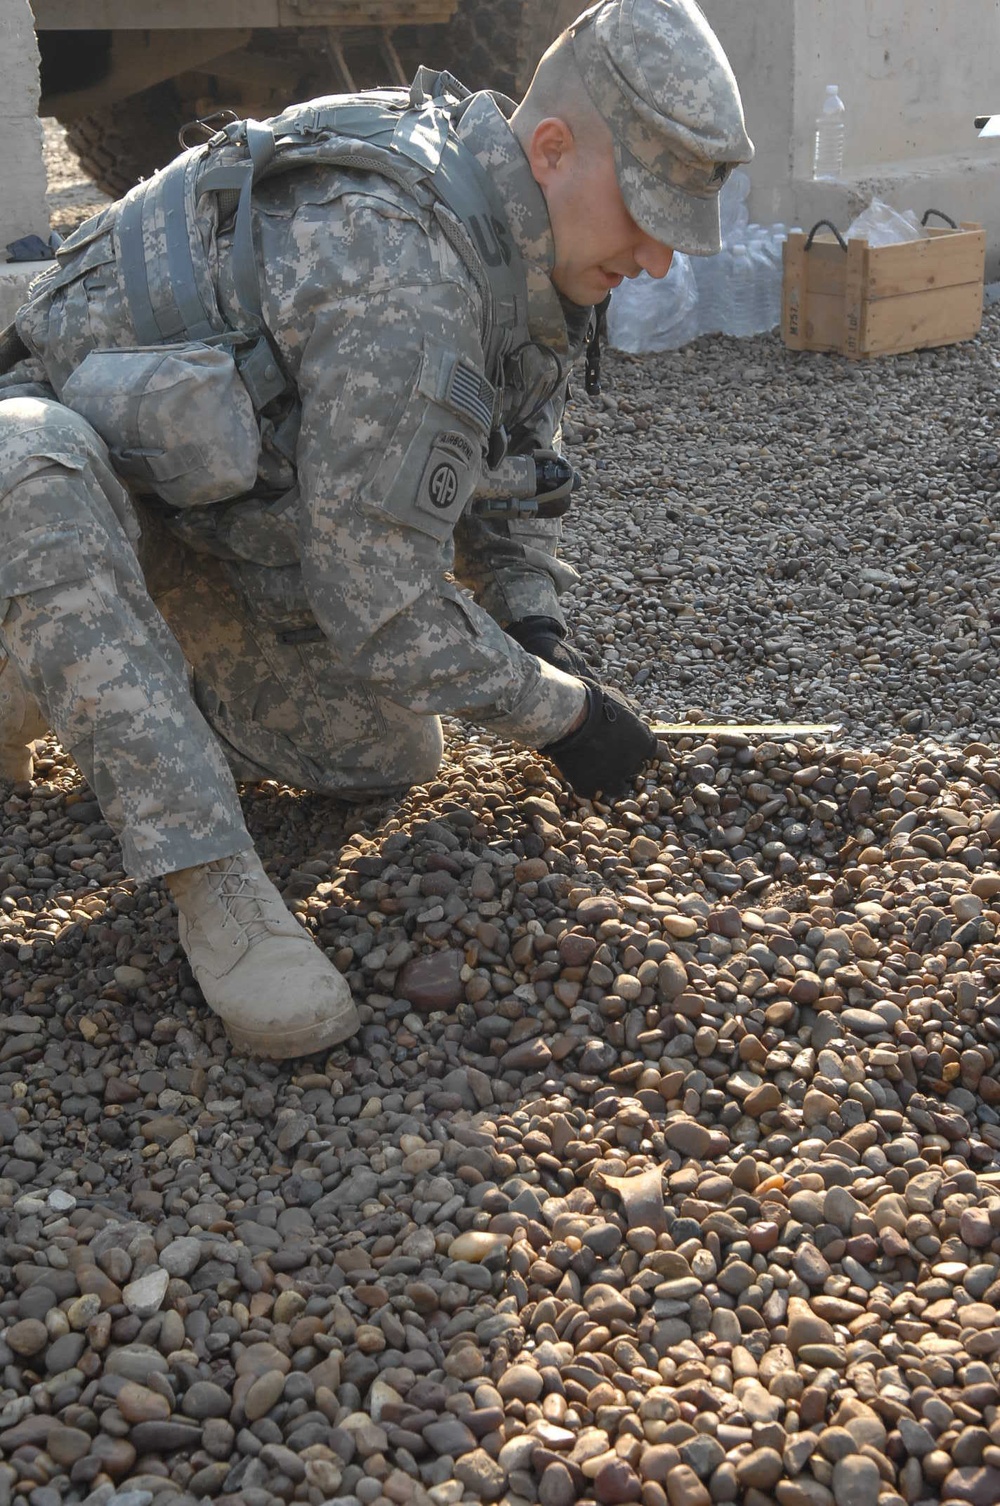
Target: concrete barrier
pixel 23 209
pixel 912 76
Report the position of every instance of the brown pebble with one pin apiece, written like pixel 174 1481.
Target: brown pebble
pixel 763 1237
pixel 805 1328
pixel 762 1468
pixel 433 982
pixel 66 1444
pixel 616 1481
pixel 685 1489
pixel 520 1383
pixel 138 1403
pixel 596 908
pixel 263 1394
pixel 557 1486
pixel 762 1100
pixel 689 1137
pixel 27 1337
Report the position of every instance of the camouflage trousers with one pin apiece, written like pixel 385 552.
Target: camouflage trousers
pixel 156 665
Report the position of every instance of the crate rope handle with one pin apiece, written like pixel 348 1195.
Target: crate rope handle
pixel 941 216
pixel 830 226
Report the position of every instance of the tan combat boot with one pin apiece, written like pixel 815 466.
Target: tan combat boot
pixel 21 722
pixel 274 990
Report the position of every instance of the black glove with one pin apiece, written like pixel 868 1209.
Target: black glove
pixel 543 637
pixel 607 751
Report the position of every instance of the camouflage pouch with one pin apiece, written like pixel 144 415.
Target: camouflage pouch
pixel 177 419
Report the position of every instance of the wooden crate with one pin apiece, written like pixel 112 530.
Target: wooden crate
pixel 866 300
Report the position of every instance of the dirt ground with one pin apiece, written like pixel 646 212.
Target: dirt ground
pixel 72 197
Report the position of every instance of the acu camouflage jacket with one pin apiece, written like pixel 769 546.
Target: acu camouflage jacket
pixel 382 326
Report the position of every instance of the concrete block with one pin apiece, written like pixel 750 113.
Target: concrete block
pixel 23 210
pixel 965 187
pixel 912 78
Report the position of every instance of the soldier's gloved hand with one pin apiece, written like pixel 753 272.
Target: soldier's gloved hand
pixel 608 750
pixel 546 639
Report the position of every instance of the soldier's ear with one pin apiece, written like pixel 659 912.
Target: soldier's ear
pixel 549 149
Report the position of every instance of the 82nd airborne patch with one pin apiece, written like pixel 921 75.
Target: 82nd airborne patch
pixel 449 477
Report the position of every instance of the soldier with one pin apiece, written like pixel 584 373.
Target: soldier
pixel 257 419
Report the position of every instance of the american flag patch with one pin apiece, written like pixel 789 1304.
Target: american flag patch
pixel 469 393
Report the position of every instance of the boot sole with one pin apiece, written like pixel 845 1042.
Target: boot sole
pixel 290 1044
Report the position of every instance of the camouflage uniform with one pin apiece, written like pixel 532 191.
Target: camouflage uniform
pixel 87 640
pixel 325 658
pixel 317 639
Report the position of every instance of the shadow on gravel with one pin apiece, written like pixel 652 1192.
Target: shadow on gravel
pixel 665 1165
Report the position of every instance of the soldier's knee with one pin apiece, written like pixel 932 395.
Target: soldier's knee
pixel 39 428
pixel 408 752
pixel 41 441
pixel 20 413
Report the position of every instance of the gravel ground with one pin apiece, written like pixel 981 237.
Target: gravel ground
pixel 666 1167
pixel 805 537
pixel 72 197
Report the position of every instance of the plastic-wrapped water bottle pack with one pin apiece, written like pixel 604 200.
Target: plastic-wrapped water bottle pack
pixel 736 292
pixel 650 315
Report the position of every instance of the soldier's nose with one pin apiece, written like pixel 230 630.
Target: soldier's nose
pixel 653 256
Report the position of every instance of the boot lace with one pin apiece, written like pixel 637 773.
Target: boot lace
pixel 234 886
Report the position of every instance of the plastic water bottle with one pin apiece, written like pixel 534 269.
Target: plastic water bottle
pixel 740 300
pixel 762 265
pixel 773 243
pixel 724 292
pixel 709 272
pixel 648 314
pixel 828 151
pixel 685 297
pixel 734 212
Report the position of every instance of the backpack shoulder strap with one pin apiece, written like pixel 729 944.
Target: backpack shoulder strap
pixel 166 278
pixel 408 138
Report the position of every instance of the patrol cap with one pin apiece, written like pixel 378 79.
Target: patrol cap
pixel 657 74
